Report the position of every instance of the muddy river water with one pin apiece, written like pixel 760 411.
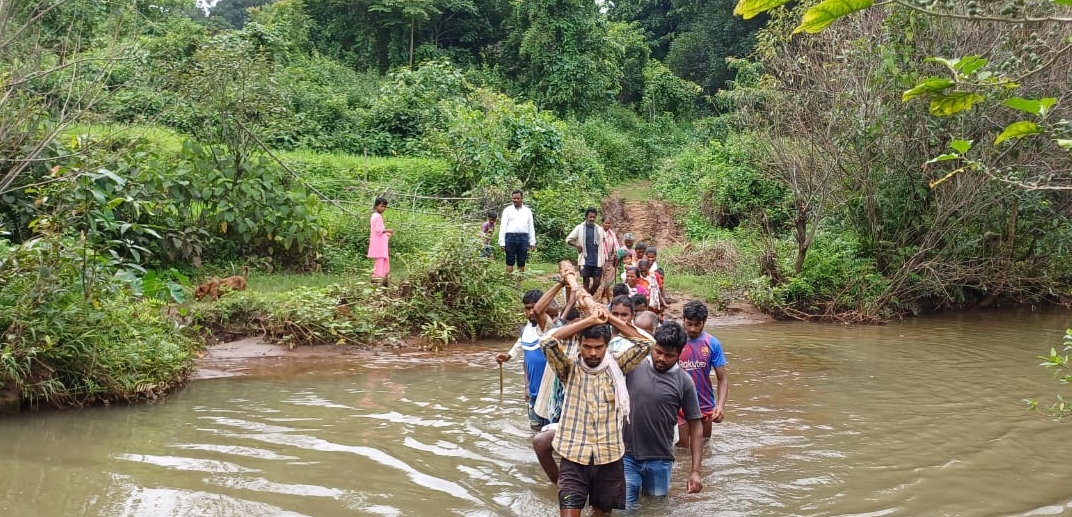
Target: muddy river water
pixel 920 418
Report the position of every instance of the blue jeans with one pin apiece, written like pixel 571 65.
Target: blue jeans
pixel 651 476
pixel 536 421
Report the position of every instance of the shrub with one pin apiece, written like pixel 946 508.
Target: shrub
pixel 452 283
pixel 71 338
pixel 617 146
pixel 410 105
pixel 720 187
pixel 353 313
pixel 628 146
pixel 665 92
pixel 252 207
pixel 449 285
pixel 490 139
pixel 836 280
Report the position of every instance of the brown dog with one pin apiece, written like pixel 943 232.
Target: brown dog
pixel 211 288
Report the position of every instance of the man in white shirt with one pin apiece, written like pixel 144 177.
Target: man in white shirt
pixel 517 233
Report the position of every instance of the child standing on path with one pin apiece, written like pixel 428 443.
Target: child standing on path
pixel 626 254
pixel 486 230
pixel 377 248
pixel 647 277
pixel 589 437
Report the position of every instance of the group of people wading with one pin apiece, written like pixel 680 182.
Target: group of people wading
pixel 608 385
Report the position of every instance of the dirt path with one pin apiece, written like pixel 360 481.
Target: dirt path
pixel 651 221
pixel 633 208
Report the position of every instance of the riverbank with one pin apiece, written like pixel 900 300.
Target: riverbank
pixel 248 356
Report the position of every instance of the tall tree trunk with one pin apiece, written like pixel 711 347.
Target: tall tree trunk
pixel 803 243
pixel 1010 234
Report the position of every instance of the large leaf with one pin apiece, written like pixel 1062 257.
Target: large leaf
pixel 953 102
pixel 961 146
pixel 927 85
pixel 1035 107
pixel 1031 106
pixel 820 15
pixel 1065 144
pixel 969 64
pixel 1018 130
pixel 749 8
pixel 944 158
pixel 1063 2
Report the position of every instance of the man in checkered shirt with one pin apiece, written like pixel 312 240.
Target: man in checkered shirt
pixel 589 437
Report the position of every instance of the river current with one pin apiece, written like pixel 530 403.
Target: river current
pixel 919 418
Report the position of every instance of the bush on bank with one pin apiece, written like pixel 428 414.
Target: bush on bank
pixel 74 333
pixel 449 287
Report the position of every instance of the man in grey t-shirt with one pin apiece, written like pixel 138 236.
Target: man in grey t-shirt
pixel 657 389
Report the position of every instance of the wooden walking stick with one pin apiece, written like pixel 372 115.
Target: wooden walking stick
pixel 500 381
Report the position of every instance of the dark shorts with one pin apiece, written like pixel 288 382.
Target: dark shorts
pixel 517 249
pixel 601 485
pixel 591 272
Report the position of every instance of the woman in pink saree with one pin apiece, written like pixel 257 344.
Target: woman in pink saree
pixel 377 247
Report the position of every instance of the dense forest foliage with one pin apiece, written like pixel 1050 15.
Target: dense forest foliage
pixel 880 167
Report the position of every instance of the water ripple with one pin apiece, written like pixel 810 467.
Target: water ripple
pixel 180 463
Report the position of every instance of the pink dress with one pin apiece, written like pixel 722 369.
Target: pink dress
pixel 377 246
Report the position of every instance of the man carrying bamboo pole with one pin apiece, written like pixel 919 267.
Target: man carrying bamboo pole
pixel 595 407
pixel 537 307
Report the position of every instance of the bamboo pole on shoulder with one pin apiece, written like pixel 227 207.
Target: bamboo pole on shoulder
pixel 585 301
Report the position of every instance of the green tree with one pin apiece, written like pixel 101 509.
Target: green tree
pixel 709 36
pixel 665 92
pixel 411 12
pixel 1008 59
pixel 491 140
pixel 658 20
pixel 628 41
pixel 72 334
pixel 557 52
pixel 43 47
pixel 352 33
pixel 378 35
pixel 234 12
pixel 840 134
pixel 232 92
pixel 412 104
pixel 466 29
pixel 693 38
